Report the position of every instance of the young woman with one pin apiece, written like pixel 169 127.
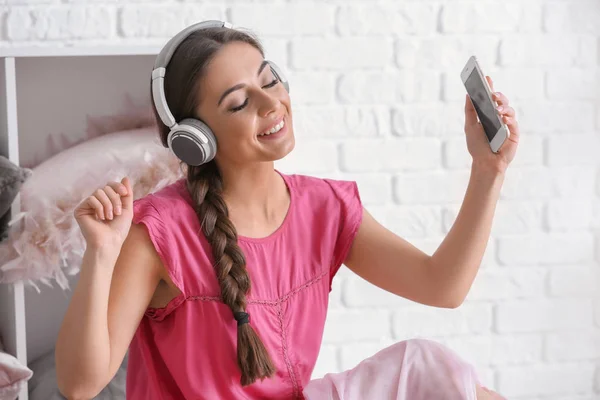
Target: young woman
pixel 218 284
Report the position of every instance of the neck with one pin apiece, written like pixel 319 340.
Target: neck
pixel 256 189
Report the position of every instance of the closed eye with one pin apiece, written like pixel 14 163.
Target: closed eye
pixel 245 103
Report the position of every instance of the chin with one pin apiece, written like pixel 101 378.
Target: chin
pixel 285 148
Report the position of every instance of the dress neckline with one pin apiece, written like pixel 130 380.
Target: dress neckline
pixel 273 235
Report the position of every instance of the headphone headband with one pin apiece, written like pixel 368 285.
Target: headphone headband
pixel 163 58
pixel 161 62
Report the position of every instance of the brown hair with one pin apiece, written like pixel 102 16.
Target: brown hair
pixel 205 184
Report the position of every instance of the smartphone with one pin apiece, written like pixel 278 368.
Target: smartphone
pixel 481 97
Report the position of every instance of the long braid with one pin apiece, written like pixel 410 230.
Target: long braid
pixel 205 186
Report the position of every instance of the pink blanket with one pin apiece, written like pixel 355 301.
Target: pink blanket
pixel 416 369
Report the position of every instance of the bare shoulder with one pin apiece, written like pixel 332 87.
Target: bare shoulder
pixel 139 247
pixel 142 248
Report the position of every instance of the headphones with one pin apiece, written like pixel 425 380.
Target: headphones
pixel 191 140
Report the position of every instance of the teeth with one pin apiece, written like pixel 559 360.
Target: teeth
pixel 275 129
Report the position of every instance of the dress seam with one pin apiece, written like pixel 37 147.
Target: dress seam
pixel 285 350
pixel 275 302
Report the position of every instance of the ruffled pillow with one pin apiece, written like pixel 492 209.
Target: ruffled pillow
pixel 13 376
pixel 49 244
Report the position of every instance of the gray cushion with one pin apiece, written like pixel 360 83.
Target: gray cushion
pixel 12 178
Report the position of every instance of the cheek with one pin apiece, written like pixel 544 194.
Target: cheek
pixel 287 102
pixel 236 131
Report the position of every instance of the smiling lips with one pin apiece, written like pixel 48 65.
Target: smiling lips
pixel 274 129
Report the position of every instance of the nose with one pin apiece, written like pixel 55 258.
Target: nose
pixel 269 103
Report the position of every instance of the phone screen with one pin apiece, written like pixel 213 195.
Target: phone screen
pixel 485 108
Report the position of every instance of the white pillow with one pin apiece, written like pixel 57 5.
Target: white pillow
pixel 49 243
pixel 13 376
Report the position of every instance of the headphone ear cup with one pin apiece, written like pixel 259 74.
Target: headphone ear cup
pixel 208 134
pixel 193 142
pixel 279 75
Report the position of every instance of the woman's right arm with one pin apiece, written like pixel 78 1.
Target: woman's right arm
pixel 115 287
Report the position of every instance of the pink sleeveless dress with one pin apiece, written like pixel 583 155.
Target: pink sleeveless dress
pixel 187 350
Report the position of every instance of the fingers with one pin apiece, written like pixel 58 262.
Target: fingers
pixel 115 200
pixel 96 205
pixel 490 82
pixel 128 198
pixel 107 206
pixel 507 114
pixel 506 111
pixel 111 199
pixel 500 98
pixel 503 105
pixel 513 125
pixel 118 188
pixel 116 191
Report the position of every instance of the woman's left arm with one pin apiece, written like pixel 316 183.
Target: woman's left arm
pixel 444 278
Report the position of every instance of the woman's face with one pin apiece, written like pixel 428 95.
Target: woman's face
pixel 240 99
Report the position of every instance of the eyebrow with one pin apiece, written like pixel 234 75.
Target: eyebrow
pixel 240 85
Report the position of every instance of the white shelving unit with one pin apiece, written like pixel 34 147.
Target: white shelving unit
pixel 12 296
pixel 53 91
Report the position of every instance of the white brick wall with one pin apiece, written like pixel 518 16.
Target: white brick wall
pixel 378 99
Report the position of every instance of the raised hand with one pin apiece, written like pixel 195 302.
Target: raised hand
pixel 105 216
pixel 477 141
